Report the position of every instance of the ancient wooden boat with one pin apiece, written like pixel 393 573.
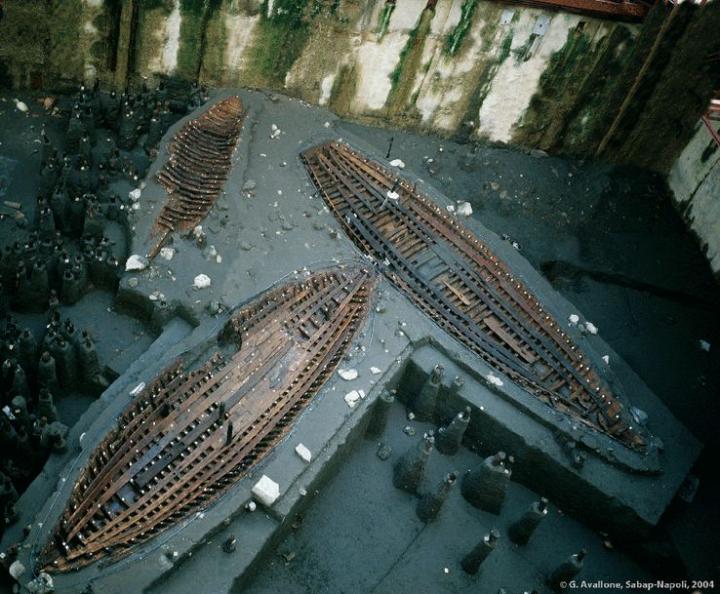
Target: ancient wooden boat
pixel 198 165
pixel 456 280
pixel 200 425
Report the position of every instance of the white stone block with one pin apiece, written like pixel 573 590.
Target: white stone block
pixel 348 374
pixel 352 398
pixel 304 453
pixel 202 281
pixel 464 209
pixel 266 490
pixel 136 262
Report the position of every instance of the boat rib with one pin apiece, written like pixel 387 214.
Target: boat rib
pixel 198 165
pixel 458 282
pixel 190 435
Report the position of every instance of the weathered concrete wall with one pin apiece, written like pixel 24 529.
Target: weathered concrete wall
pixel 54 42
pixel 473 68
pixel 470 69
pixel 695 181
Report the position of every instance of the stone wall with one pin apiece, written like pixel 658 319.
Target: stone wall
pixel 695 181
pixel 469 69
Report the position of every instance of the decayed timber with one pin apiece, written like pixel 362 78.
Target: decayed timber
pixel 456 280
pixel 190 435
pixel 198 166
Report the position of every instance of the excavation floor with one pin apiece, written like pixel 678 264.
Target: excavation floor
pixel 609 240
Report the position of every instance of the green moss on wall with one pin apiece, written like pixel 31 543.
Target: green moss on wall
pixel 213 61
pixel 65 61
pixel 492 35
pixel 189 53
pixel 343 91
pixel 24 42
pixel 384 19
pixel 602 120
pixel 456 36
pixel 141 31
pixel 558 89
pixel 399 100
pixel 665 123
pixel 39 43
pixel 153 4
pixel 279 40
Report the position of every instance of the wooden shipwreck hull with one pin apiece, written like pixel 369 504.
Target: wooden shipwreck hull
pixel 188 436
pixel 457 281
pixel 199 163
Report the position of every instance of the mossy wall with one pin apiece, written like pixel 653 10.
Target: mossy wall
pixel 55 43
pixel 470 69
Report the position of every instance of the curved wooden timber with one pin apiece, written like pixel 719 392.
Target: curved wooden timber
pixel 457 281
pixel 198 165
pixel 188 436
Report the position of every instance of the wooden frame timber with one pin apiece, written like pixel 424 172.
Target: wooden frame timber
pixel 458 282
pixel 190 435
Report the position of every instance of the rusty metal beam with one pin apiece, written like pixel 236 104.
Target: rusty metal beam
pixel 631 11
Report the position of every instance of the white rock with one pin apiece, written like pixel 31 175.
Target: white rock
pixel 167 253
pixel 705 345
pixel 304 453
pixel 494 379
pixel 348 374
pixel 606 358
pixel 251 506
pixel 136 262
pixel 352 398
pixel 202 281
pixel 573 319
pixel 398 163
pixel 198 231
pixel 16 570
pixel 639 415
pixel 326 124
pixel 375 370
pixel 21 105
pixel 464 209
pixel 42 584
pixel 137 389
pixel 393 195
pixel 450 208
pixel 591 328
pixel 134 195
pixel 266 490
